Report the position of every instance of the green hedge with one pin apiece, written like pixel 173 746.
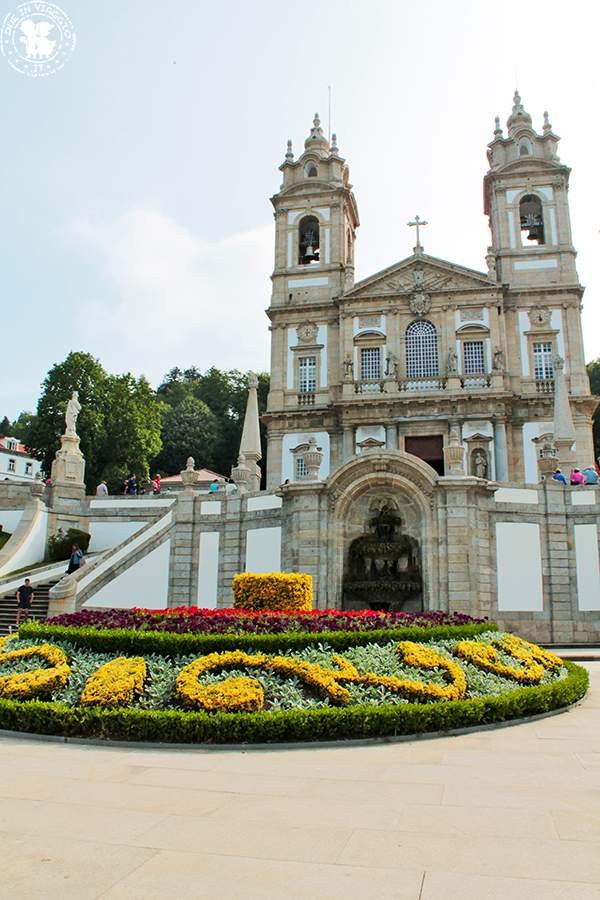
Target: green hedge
pixel 323 724
pixel 169 643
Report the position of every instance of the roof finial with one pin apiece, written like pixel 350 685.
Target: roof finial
pixel 547 125
pixel 334 146
pixel 289 154
pixel 497 128
pixel 518 111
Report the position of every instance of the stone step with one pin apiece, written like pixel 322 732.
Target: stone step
pixel 39 607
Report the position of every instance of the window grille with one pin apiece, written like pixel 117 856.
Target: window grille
pixel 370 363
pixel 307 374
pixel 421 350
pixel 300 470
pixel 543 366
pixel 28 468
pixel 11 465
pixel 473 358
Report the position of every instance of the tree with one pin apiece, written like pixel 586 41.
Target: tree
pixel 225 393
pixel 5 427
pixel 189 429
pixel 118 426
pixel 78 372
pixel 22 427
pixel 593 370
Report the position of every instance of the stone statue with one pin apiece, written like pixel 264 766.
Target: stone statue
pixel 452 363
pixel 479 464
pixel 72 411
pixel 498 364
pixel 348 367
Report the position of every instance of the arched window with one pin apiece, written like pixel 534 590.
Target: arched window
pixel 310 170
pixel 308 241
pixel 421 350
pixel 531 219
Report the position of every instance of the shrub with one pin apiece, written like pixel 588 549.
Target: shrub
pixel 274 591
pixel 139 642
pixel 321 724
pixel 59 544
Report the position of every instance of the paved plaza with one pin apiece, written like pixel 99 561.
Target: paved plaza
pixel 513 812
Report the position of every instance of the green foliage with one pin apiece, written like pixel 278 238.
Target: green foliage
pixel 4 537
pixel 311 724
pixel 225 394
pixel 22 428
pixel 5 428
pixel 119 423
pixel 59 544
pixel 189 429
pixel 168 643
pixel 593 370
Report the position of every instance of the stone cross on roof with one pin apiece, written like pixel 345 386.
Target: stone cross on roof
pixel 418 223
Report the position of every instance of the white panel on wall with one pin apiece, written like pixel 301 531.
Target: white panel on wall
pixel 308 282
pixel 324 212
pixel 556 323
pixel 294 439
pixel 524 326
pixel 145 583
pixel 210 507
pixel 208 569
pixel 511 229
pixel 535 264
pixel 588 567
pixel 268 502
pixel 292 340
pixel 327 245
pixel 263 549
pixel 290 249
pixel 147 500
pixel 519 567
pixel 553 232
pixel 106 535
pixel 583 498
pixel 516 495
pixel 532 430
pixel 9 519
pixel 322 339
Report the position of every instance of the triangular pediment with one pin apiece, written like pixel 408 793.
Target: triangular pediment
pixel 420 273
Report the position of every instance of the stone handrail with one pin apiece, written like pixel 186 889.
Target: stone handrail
pixel 27 545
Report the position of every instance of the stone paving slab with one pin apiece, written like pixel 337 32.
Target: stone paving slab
pixel 489 815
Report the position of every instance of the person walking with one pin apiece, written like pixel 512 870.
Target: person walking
pixel 132 485
pixel 75 559
pixel 25 597
pixel 102 490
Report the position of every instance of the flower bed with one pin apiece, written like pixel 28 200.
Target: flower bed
pixel 186 619
pixel 315 692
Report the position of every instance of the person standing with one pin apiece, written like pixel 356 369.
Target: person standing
pixel 132 485
pixel 25 597
pixel 102 490
pixel 75 559
pixel 156 484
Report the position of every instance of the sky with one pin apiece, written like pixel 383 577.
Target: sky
pixel 135 220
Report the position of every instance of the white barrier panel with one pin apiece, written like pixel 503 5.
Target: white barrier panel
pixel 263 549
pixel 208 569
pixel 145 583
pixel 519 567
pixel 588 567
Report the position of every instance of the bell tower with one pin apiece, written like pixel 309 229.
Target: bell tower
pixel 315 224
pixel 525 197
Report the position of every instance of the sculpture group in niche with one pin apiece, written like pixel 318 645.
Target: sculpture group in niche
pixel 384 569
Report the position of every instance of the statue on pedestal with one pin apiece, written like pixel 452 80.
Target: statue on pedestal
pixel 72 411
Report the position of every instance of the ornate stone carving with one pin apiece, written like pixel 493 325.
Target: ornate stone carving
pixel 498 363
pixel 539 317
pixel 419 304
pixel 307 332
pixel 471 315
pixel 369 321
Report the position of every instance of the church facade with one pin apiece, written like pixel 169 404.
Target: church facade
pixel 414 419
pixel 404 357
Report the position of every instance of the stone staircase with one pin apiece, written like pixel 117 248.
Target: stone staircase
pixel 39 608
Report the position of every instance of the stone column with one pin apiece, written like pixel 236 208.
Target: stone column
pixel 500 451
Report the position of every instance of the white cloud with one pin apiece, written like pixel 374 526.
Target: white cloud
pixel 175 299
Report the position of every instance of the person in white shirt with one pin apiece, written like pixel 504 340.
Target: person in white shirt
pixel 102 490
